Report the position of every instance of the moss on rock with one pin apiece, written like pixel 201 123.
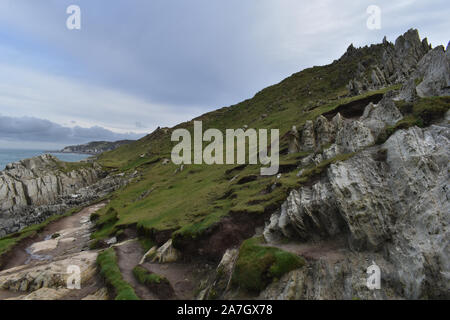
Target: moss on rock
pixel 258 265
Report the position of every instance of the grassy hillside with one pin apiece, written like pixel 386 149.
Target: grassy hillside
pixel 186 204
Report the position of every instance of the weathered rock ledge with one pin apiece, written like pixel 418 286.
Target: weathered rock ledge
pixel 34 189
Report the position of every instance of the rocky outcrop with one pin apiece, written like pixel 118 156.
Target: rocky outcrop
pixel 390 201
pixel 340 135
pixel 166 253
pixel 391 63
pixel 50 275
pixel 34 189
pixel 222 278
pixel 434 70
pixel 392 198
pixel 294 143
pixel 40 181
pixel 422 71
pixel 335 280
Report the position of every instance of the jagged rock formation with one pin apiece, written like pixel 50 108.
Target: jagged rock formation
pixel 34 189
pixel 394 63
pixel 391 198
pixel 329 138
pixel 39 181
pixel 433 73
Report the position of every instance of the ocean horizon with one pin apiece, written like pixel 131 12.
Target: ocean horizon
pixel 13 155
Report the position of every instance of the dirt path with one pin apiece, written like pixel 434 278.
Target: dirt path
pixel 330 250
pixel 71 238
pixel 128 256
pixel 181 276
pixel 88 288
pixel 20 256
pixel 184 277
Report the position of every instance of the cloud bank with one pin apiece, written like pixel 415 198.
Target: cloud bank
pixel 40 130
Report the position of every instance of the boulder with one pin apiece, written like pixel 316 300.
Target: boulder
pixel 166 253
pixel 434 69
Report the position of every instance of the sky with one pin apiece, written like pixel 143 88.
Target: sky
pixel 135 65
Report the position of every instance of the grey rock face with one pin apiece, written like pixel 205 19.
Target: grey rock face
pixel 431 77
pixel 434 69
pixel 340 135
pixel 409 49
pixel 39 181
pixel 394 63
pixel 34 189
pixel 329 279
pixel 221 280
pixel 393 199
pixel 308 137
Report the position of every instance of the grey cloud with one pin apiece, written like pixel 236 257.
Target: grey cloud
pixel 184 54
pixel 41 130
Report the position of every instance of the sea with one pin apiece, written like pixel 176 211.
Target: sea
pixel 13 155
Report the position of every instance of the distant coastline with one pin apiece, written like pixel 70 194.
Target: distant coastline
pixel 67 152
pixel 8 156
pixel 94 147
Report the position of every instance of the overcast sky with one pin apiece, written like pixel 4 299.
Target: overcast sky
pixel 136 65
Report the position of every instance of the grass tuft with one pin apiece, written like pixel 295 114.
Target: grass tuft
pixel 109 270
pixel 258 265
pixel 146 277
